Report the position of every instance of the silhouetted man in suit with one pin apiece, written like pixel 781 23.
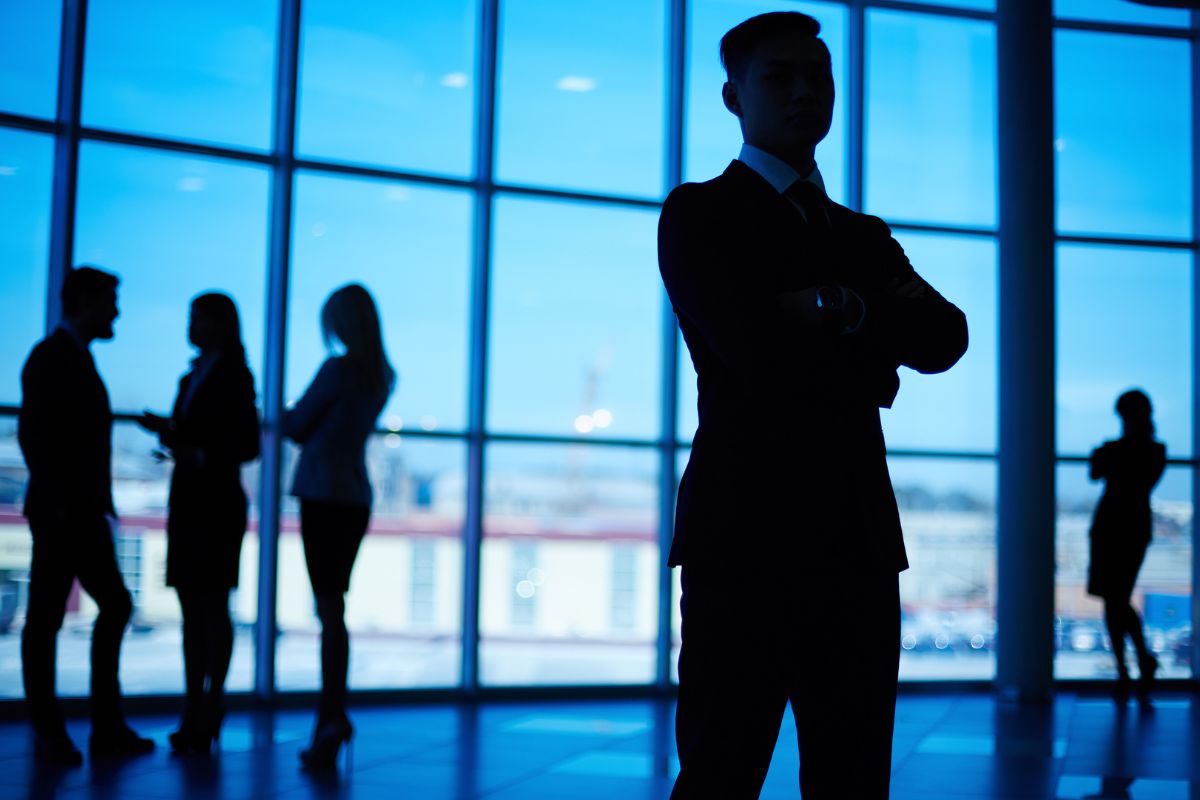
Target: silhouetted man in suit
pixel 797 312
pixel 65 432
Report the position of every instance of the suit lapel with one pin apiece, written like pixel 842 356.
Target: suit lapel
pixel 774 232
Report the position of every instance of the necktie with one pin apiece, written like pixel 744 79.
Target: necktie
pixel 811 202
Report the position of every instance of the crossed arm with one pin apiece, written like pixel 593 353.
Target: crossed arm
pixel 778 342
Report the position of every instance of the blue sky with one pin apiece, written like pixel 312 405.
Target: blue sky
pixel 576 299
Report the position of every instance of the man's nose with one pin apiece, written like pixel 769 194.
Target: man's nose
pixel 803 90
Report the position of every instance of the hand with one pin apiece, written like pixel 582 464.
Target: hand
pixel 154 422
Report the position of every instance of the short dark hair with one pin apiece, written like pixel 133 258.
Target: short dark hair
pixel 740 41
pixel 84 284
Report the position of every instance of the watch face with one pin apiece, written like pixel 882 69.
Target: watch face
pixel 829 298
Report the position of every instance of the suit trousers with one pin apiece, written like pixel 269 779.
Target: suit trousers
pixel 80 548
pixel 758 638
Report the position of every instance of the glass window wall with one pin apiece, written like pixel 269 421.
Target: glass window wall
pixel 524 278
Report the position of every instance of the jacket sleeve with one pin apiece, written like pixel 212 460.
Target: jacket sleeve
pixel 302 419
pixel 40 420
pixel 926 333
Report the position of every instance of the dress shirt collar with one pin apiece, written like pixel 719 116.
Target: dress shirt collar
pixel 775 171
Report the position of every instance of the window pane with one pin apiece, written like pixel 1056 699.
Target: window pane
pixel 410 246
pixel 29 45
pixel 1124 320
pixel 389 83
pixel 199 69
pixel 581 88
pixel 955 410
pixel 171 227
pixel 931 119
pixel 1162 596
pixel 948 595
pixel 404 607
pixel 712 135
pixel 1120 11
pixel 1123 167
pixel 26 170
pixel 575 320
pixel 570 565
pixel 151 653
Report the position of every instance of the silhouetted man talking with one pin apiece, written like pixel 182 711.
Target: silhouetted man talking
pixel 797 312
pixel 65 433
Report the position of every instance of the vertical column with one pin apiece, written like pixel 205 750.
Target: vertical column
pixel 485 134
pixel 854 96
pixel 66 154
pixel 1026 491
pixel 669 390
pixel 280 238
pixel 1195 44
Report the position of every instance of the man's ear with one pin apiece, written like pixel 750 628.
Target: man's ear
pixel 729 95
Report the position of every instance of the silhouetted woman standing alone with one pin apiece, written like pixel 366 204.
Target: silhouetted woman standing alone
pixel 211 432
pixel 332 423
pixel 1122 529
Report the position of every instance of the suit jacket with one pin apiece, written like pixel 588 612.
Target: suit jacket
pixel 333 421
pixel 788 463
pixel 213 432
pixel 65 431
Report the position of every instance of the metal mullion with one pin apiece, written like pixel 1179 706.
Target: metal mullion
pixel 1095 26
pixel 549 438
pixel 579 196
pixel 952 230
pixel 1126 241
pixel 381 173
pixel 27 123
pixel 485 133
pixel 1081 459
pixel 676 77
pixel 958 455
pixel 175 145
pixel 66 154
pixel 932 8
pixel 1195 98
pixel 856 106
pixel 280 222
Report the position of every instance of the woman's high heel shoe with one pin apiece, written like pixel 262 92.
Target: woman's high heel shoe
pixel 184 739
pixel 328 739
pixel 212 728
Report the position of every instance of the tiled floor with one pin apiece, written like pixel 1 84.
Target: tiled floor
pixel 956 747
